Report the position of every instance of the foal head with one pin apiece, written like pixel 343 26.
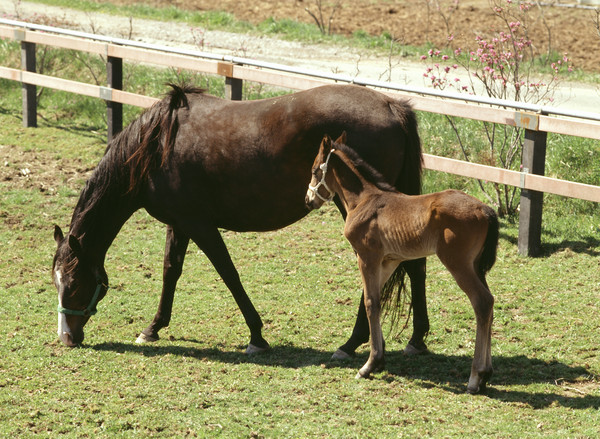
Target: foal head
pixel 80 284
pixel 319 189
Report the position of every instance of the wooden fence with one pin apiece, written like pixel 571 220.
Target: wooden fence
pixel 530 180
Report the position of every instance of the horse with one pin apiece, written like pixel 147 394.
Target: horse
pixel 198 163
pixel 386 227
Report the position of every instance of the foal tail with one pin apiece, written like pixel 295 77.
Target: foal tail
pixel 488 255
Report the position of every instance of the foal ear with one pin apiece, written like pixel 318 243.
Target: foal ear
pixel 75 245
pixel 326 142
pixel 58 234
pixel 342 138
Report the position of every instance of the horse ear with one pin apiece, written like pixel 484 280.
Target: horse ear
pixel 326 142
pixel 75 245
pixel 342 138
pixel 58 234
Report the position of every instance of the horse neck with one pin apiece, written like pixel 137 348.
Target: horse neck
pixel 350 185
pixel 105 204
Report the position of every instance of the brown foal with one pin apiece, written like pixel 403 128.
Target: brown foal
pixel 386 227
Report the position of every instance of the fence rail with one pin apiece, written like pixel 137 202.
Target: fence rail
pixel 535 120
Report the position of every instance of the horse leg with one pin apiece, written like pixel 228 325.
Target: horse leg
pixel 482 302
pixel 211 243
pixel 175 248
pixel 360 333
pixel 416 270
pixel 372 287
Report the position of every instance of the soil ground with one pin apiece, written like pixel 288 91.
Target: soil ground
pixel 570 30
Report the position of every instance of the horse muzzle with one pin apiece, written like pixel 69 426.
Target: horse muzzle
pixel 71 340
pixel 71 332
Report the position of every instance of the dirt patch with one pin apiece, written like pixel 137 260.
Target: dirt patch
pixel 565 29
pixel 40 170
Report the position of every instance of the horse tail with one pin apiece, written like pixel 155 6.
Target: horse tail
pixel 393 297
pixel 394 292
pixel 155 132
pixel 490 246
pixel 409 180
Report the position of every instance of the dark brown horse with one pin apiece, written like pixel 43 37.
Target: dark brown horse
pixel 386 228
pixel 197 163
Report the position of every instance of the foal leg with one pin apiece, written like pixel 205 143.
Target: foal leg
pixel 482 302
pixel 360 332
pixel 175 249
pixel 211 243
pixel 372 286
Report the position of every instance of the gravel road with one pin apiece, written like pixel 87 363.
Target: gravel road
pixel 324 58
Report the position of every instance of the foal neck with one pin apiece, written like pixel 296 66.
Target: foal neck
pixel 350 184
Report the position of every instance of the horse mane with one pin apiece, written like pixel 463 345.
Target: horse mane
pixel 142 146
pixel 368 172
pixel 157 132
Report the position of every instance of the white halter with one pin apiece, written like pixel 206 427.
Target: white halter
pixel 315 189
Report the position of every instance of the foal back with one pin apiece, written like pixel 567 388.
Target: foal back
pixel 450 223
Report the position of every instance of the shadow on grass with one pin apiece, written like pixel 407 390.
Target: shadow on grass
pixel 586 245
pixel 449 372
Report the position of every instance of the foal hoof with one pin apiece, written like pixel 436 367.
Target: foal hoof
pixel 340 355
pixel 251 349
pixel 143 338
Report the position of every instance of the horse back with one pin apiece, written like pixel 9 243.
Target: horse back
pixel 247 163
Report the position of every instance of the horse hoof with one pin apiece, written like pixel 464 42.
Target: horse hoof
pixel 340 355
pixel 143 338
pixel 411 350
pixel 475 386
pixel 360 376
pixel 251 349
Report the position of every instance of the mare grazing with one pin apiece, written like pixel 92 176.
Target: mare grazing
pixel 386 228
pixel 198 163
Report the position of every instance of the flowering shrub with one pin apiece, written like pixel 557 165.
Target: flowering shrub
pixel 500 66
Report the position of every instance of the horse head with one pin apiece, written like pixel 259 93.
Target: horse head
pixel 318 184
pixel 80 284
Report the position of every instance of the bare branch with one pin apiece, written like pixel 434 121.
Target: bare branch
pixel 318 16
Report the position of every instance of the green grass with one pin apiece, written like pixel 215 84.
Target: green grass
pixel 196 381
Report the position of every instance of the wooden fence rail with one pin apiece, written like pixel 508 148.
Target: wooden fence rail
pixel 536 125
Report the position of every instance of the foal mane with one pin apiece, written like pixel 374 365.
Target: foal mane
pixel 367 171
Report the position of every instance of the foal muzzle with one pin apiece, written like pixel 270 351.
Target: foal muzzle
pixel 315 189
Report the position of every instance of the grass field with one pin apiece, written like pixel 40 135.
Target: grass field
pixel 196 381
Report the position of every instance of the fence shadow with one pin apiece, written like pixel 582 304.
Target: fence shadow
pixel 450 372
pixel 587 245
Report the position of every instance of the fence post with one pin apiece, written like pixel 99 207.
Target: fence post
pixel 233 86
pixel 28 91
pixel 114 110
pixel 530 215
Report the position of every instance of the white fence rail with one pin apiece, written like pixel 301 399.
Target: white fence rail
pixel 536 120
